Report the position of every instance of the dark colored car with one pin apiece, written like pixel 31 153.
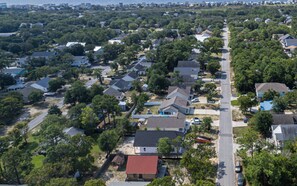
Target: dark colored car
pixel 238 167
pixel 240 180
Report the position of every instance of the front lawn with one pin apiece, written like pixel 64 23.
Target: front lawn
pixel 38 161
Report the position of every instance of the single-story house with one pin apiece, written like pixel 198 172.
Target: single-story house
pixel 26 91
pixel 266 105
pixel 72 131
pixel 284 37
pixel 140 69
pixel 123 105
pixel 261 88
pixel 280 119
pixel 283 133
pixel 114 92
pixel 42 84
pixel 22 61
pixel 174 105
pixel 98 50
pixel 122 85
pixel 146 142
pixel 167 123
pixel 142 168
pixel 70 44
pixel 179 91
pixel 290 44
pixel 117 40
pixel 80 61
pixel 16 87
pixel 46 55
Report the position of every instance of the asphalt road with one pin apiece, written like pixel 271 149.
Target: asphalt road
pixel 226 175
pixel 36 121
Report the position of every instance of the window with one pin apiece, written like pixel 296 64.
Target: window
pixel 144 149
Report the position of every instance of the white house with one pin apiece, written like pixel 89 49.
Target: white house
pixel 114 92
pixel 145 142
pixel 70 44
pixel 283 133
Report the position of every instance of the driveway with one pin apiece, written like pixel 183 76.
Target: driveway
pixel 225 175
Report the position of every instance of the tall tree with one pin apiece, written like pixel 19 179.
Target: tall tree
pixel 108 140
pixel 164 146
pixel 88 118
pixel 262 122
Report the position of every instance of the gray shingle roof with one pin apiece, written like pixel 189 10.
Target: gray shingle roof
pixel 122 84
pixel 193 64
pixel 44 82
pixel 185 89
pixel 174 101
pixel 278 87
pixel 151 138
pixel 291 42
pixel 165 122
pixel 280 119
pixel 112 92
pixel 187 70
pixel 72 131
pixel 288 132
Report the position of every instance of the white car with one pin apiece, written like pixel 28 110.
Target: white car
pixel 196 121
pixel 195 100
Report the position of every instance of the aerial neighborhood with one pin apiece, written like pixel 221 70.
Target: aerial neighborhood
pixel 157 95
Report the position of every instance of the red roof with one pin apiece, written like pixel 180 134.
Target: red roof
pixel 142 165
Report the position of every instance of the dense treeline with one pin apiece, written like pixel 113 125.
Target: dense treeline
pixel 257 58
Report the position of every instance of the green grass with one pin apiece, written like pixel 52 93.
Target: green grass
pixel 38 161
pixel 234 103
pixel 237 131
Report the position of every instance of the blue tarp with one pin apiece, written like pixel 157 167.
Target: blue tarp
pixel 266 105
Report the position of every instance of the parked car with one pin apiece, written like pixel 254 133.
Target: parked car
pixel 195 100
pixel 240 180
pixel 245 120
pixel 238 167
pixel 196 121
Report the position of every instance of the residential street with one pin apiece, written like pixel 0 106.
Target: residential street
pixel 36 121
pixel 226 175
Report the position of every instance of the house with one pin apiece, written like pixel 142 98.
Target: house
pixel 140 69
pixel 98 50
pixel 45 55
pixel 131 76
pixel 118 160
pixel 21 61
pixel 290 44
pixel 283 133
pixel 203 36
pixel 266 105
pixel 261 88
pixel 128 183
pixel 182 92
pixel 114 92
pixel 142 168
pixel 122 85
pixel 72 131
pixel 70 44
pixel 80 61
pixel 284 37
pixel 258 19
pixel 191 68
pixel 280 119
pixel 26 91
pixel 15 72
pixel 117 40
pixel 146 142
pixel 42 84
pixel 174 105
pixel 178 124
pixel 267 21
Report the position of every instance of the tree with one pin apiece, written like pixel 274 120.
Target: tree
pixel 270 95
pixel 108 140
pixel 54 109
pixel 279 104
pixel 96 90
pixel 164 146
pixel 165 181
pixel 247 139
pixel 209 87
pixel 141 99
pixel 205 183
pixel 77 93
pixel 76 50
pixel 41 176
pixel 10 107
pixel 55 84
pixel 14 165
pixel 35 96
pixel 88 118
pixel 262 122
pixel 95 182
pixel 137 86
pixel 206 123
pixel 158 83
pixel 98 73
pixel 213 44
pixel 62 182
pixel 197 86
pixel 246 102
pixel 213 67
pixel 5 80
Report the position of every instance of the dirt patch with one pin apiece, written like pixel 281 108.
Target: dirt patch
pixel 237 115
pixel 200 116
